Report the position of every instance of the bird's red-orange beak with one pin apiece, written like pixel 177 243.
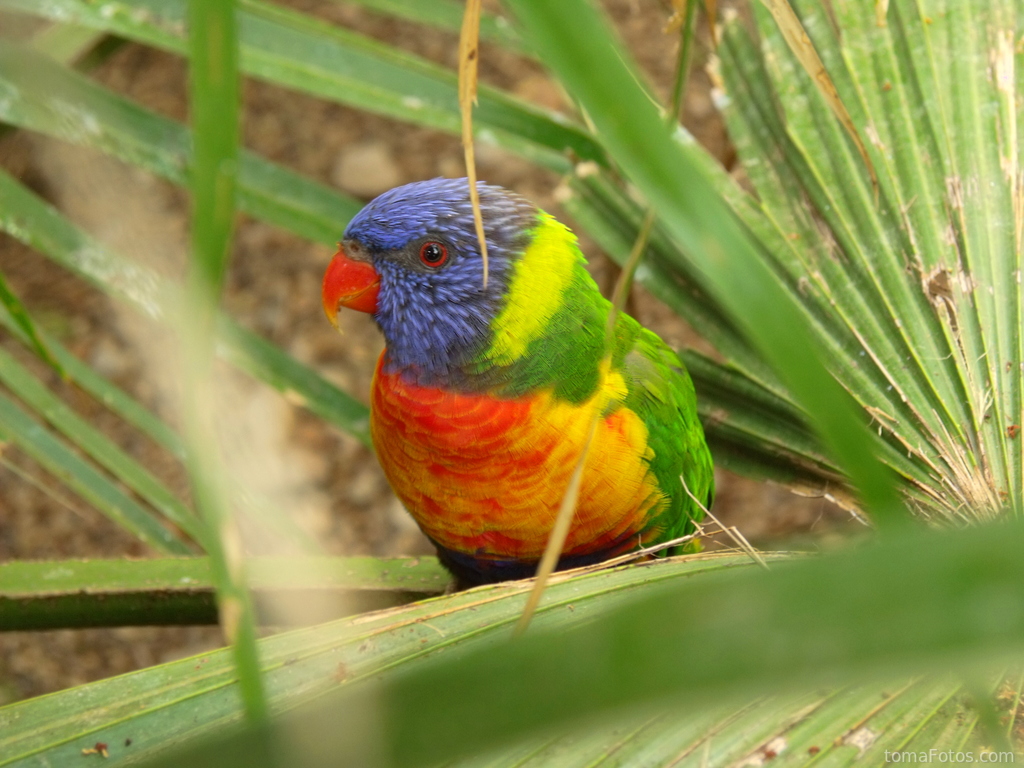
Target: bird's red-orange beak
pixel 349 283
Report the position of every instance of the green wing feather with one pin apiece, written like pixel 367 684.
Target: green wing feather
pixel 661 393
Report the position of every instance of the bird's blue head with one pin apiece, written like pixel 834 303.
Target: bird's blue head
pixel 411 258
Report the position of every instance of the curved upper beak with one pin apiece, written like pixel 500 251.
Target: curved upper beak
pixel 349 283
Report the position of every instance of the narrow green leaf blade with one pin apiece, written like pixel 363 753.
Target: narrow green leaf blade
pixel 36 441
pixel 67 43
pixel 40 95
pixel 17 312
pixel 105 391
pixel 214 102
pixel 34 393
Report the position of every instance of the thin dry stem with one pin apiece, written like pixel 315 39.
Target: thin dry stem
pixel 881 11
pixel 560 530
pixel 732 532
pixel 1012 716
pixel 638 554
pixel 971 483
pixel 469 55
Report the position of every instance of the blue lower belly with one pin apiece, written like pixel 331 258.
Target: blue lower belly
pixel 472 570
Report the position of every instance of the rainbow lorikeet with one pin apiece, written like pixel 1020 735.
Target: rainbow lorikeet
pixel 484 395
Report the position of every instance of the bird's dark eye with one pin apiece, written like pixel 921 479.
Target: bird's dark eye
pixel 433 254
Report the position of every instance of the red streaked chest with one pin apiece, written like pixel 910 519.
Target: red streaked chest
pixel 446 427
pixel 486 475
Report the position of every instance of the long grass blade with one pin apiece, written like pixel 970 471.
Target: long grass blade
pixel 731 264
pixel 214 99
pixel 623 283
pixel 81 477
pixel 112 396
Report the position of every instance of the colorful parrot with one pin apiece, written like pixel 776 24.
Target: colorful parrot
pixel 484 394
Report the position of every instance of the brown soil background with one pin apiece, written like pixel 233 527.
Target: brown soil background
pixel 323 480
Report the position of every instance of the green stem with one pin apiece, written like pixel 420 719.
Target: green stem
pixel 682 74
pixel 213 47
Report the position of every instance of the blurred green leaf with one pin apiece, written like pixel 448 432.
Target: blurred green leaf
pixel 631 643
pixel 129 409
pixel 67 43
pixel 75 46
pixel 214 103
pixel 112 396
pixel 300 52
pixel 163 705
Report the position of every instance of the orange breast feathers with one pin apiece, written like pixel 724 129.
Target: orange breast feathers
pixel 485 476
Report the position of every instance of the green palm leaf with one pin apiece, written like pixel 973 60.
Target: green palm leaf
pixel 916 287
pixel 592 636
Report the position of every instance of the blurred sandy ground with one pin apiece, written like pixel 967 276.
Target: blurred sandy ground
pixel 325 481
